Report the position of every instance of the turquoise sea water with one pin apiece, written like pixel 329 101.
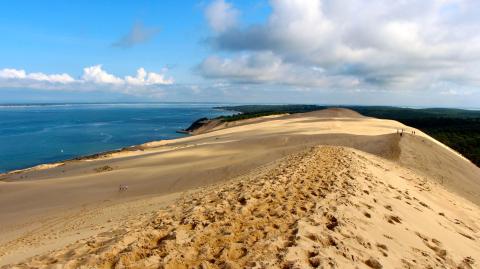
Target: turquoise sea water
pixel 36 134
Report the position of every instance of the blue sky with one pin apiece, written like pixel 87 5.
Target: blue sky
pixel 304 51
pixel 65 36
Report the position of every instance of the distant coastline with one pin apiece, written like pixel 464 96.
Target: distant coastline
pixel 222 105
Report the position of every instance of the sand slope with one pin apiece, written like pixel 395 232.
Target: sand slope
pixel 45 209
pixel 325 207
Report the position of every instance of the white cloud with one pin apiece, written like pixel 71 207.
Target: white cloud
pixel 93 77
pixel 14 74
pixel 9 73
pixel 257 68
pixel 147 78
pixel 96 74
pixel 394 45
pixel 221 15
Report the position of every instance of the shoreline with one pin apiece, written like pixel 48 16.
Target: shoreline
pixel 53 160
pixel 102 154
pixel 93 156
pixel 131 148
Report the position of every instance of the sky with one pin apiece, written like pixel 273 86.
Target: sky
pixel 379 52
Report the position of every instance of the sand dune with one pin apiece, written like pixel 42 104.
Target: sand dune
pixel 426 209
pixel 325 207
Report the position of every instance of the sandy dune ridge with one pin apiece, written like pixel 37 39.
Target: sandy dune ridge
pixel 46 209
pixel 325 207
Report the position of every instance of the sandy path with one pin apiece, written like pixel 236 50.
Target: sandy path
pixel 328 206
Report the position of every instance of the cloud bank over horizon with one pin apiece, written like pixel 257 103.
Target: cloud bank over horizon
pixel 93 77
pixel 350 45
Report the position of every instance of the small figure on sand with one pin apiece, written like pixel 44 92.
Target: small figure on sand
pixel 122 188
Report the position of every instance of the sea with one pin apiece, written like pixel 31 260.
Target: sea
pixel 32 134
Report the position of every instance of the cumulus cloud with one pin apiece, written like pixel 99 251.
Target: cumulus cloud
pixel 221 15
pixel 93 78
pixel 266 67
pixel 137 35
pixel 14 74
pixel 147 78
pixel 367 44
pixel 96 74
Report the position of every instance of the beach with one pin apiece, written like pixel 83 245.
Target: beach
pixel 175 183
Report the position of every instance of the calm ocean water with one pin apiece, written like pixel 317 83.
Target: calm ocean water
pixel 36 134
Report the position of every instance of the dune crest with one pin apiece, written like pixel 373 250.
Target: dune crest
pixel 217 124
pixel 334 112
pixel 324 207
pixel 48 209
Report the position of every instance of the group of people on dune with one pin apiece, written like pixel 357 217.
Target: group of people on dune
pixel 400 131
